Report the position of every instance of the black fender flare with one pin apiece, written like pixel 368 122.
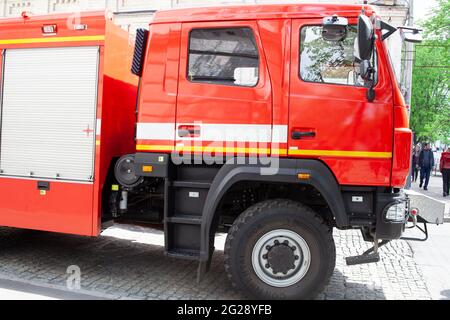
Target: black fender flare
pixel 320 177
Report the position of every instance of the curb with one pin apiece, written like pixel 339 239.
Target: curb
pixel 82 293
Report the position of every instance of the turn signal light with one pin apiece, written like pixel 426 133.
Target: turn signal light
pixel 303 176
pixel 147 168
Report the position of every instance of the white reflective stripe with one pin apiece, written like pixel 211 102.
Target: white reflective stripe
pixel 261 133
pixel 155 131
pixel 280 134
pixel 98 128
pixel 230 132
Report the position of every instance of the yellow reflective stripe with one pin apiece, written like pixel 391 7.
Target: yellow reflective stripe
pixel 144 147
pixel 340 153
pixel 318 153
pixel 52 39
pixel 279 152
pixel 222 149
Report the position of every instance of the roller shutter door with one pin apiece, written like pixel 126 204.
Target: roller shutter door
pixel 48 112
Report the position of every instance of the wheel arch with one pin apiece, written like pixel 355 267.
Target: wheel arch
pixel 320 177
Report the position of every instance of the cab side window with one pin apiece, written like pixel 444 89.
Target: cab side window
pixel 227 56
pixel 334 62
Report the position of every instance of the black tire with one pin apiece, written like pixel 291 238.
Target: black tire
pixel 270 215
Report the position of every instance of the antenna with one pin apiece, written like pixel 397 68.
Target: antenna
pixel 363 10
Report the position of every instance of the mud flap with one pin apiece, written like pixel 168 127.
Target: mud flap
pixel 204 266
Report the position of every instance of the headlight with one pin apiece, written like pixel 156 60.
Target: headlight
pixel 396 212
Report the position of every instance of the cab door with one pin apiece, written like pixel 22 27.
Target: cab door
pixel 330 117
pixel 224 102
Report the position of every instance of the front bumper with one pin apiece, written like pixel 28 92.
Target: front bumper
pixel 428 209
pixel 390 229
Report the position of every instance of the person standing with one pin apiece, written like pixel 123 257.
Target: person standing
pixel 426 163
pixel 444 167
pixel 415 163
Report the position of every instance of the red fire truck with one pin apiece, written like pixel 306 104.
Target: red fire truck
pixel 274 123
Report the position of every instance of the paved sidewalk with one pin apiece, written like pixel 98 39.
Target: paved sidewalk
pixel 128 262
pixel 433 255
pixel 435 191
pixel 433 258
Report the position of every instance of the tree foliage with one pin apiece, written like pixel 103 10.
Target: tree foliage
pixel 430 117
pixel 438 25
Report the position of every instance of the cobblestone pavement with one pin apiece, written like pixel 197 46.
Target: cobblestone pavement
pixel 128 262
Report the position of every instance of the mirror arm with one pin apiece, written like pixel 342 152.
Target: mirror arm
pixel 370 93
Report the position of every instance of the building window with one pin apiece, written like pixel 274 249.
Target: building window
pixel 333 62
pixel 227 56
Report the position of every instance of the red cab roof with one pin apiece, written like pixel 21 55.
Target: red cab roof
pixel 256 12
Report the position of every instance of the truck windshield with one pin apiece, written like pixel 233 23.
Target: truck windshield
pixel 397 71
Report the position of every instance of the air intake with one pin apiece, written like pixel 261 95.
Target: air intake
pixel 139 52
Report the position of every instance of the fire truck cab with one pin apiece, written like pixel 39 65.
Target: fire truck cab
pixel 274 123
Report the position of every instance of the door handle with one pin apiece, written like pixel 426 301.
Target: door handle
pixel 297 135
pixel 188 131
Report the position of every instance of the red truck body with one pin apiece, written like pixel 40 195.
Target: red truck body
pixel 71 206
pixel 83 141
pixel 362 142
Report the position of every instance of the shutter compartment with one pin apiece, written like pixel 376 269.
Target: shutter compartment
pixel 48 112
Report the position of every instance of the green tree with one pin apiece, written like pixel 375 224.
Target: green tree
pixel 430 113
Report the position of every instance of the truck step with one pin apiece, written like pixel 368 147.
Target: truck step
pixel 362 259
pixel 184 254
pixel 185 219
pixel 191 184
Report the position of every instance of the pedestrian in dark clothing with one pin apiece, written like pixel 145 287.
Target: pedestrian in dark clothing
pixel 415 163
pixel 426 163
pixel 444 167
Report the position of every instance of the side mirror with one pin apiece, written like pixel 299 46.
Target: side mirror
pixel 334 28
pixel 413 37
pixel 366 37
pixel 411 34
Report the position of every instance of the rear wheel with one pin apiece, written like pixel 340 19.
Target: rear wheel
pixel 279 249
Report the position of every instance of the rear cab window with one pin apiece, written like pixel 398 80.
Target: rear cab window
pixel 227 56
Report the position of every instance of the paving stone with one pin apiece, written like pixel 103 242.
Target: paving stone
pixel 136 268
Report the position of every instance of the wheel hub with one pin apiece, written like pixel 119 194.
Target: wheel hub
pixel 281 258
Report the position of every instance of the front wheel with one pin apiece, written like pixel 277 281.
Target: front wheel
pixel 279 249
